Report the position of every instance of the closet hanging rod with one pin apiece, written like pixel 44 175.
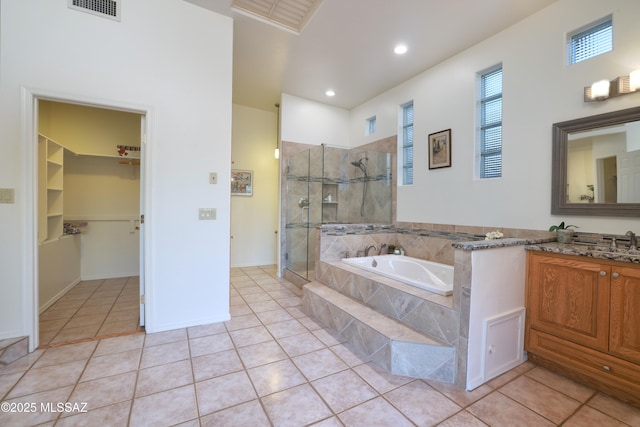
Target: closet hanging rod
pixel 130 163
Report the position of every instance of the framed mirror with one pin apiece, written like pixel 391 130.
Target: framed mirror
pixel 596 165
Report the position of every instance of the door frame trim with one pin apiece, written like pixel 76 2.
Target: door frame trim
pixel 29 152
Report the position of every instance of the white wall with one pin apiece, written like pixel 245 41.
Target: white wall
pixel 539 89
pixel 87 130
pixel 59 269
pixel 173 61
pixel 310 122
pixel 254 219
pixel 105 195
pixel 485 306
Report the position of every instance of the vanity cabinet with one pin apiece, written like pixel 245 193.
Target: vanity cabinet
pixel 624 318
pixel 583 320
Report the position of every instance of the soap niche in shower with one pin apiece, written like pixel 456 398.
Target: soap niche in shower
pixel 329 203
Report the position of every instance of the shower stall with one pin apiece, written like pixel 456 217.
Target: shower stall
pixel 331 185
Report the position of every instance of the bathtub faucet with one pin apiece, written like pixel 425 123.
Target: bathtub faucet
pixel 382 246
pixel 368 248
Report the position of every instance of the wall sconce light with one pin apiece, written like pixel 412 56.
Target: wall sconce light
pixel 634 80
pixel 603 89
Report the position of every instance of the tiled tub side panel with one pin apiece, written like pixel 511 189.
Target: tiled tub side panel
pixel 402 358
pixel 429 318
pixel 366 340
pixel 462 301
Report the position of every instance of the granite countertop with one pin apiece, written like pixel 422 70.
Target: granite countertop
pixel 497 243
pixel 591 245
pixel 588 250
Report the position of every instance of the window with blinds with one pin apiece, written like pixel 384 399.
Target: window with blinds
pixel 371 126
pixel 592 40
pixel 407 143
pixel 491 124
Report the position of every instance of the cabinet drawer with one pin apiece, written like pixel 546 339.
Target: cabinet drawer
pixel 585 364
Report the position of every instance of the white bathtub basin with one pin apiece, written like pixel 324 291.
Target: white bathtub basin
pixel 427 275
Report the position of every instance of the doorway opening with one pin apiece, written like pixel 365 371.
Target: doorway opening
pixel 89 183
pixel 607 180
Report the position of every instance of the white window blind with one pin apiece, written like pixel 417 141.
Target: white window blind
pixel 595 40
pixel 491 124
pixel 407 143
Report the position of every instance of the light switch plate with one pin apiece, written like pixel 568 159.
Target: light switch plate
pixel 213 178
pixel 207 213
pixel 7 195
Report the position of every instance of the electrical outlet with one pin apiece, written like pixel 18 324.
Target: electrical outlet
pixel 213 178
pixel 207 213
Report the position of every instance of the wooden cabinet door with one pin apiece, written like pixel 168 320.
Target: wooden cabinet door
pixel 625 313
pixel 569 298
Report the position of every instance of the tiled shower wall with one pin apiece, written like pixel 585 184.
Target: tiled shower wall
pixel 346 182
pixel 308 172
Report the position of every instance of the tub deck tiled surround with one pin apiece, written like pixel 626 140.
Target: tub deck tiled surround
pixel 406 330
pixel 436 319
pixel 272 365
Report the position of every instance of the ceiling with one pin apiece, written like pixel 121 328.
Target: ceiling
pixel 347 46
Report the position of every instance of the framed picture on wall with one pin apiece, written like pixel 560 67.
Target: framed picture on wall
pixel 241 182
pixel 440 149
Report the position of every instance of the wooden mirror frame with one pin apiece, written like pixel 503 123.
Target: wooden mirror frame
pixel 561 131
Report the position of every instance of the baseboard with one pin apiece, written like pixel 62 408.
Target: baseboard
pixel 109 276
pixel 189 324
pixel 57 296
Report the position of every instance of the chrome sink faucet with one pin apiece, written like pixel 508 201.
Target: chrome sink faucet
pixel 368 248
pixel 633 242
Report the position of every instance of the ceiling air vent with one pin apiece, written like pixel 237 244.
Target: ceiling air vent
pixel 105 8
pixel 292 15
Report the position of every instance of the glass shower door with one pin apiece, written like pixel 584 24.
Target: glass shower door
pixel 298 214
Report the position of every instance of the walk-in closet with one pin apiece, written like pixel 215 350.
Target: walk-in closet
pixel 89 163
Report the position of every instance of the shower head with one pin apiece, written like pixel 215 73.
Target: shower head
pixel 361 165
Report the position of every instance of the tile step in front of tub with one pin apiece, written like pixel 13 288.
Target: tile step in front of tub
pixel 392 345
pixel 425 312
pixel 13 349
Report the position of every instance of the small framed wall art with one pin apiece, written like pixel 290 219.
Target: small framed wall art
pixel 241 182
pixel 440 149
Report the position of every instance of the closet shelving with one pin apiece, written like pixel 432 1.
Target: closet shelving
pixel 51 184
pixel 51 188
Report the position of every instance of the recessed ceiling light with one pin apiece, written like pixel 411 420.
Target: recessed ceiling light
pixel 330 93
pixel 400 49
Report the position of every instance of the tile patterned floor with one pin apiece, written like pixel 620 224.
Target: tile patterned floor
pixel 93 308
pixel 271 365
